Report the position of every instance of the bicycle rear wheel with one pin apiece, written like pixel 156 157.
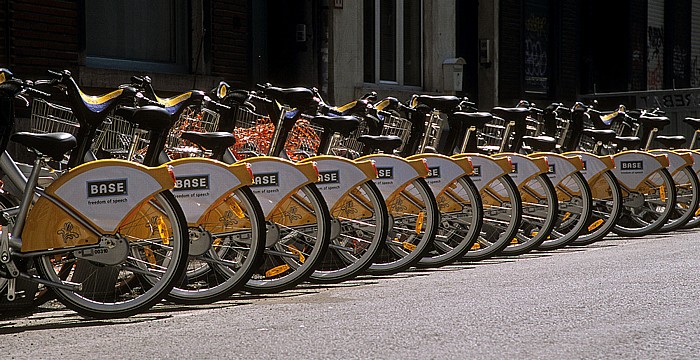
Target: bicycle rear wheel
pixel 225 250
pixel 359 228
pixel 462 214
pixel 540 214
pixel 575 206
pixel 413 221
pixel 298 235
pixel 687 198
pixel 503 211
pixel 607 207
pixel 156 255
pixel 648 208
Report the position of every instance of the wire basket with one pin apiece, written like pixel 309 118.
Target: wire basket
pixel 349 146
pixel 303 140
pixel 493 135
pixel 194 119
pixel 47 117
pixel 253 133
pixel 397 126
pixel 116 137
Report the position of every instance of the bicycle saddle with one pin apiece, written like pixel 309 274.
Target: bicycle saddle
pixel 603 135
pixel 445 103
pixel 54 145
pixel 476 119
pixel 214 141
pixel 512 114
pixel 671 142
pixel 149 117
pixel 176 105
pixel 296 97
pixel 386 143
pixel 341 124
pixel 540 143
pixel 654 121
pixel 693 122
pixel 629 142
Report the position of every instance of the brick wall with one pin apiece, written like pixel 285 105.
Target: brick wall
pixel 230 41
pixel 44 34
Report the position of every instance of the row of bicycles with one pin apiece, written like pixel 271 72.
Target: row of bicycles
pixel 133 198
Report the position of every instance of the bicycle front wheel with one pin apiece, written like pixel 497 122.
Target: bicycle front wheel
pixel 297 237
pixel 461 216
pixel 647 208
pixel 607 207
pixel 156 242
pixel 575 206
pixel 687 198
pixel 359 225
pixel 225 250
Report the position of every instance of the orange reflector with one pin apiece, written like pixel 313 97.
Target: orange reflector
pixel 276 270
pixel 697 212
pixel 476 246
pixel 566 216
pixel 662 192
pixel 233 205
pixel 514 241
pixel 595 224
pixel 408 246
pixel 163 231
pixel 298 253
pixel 419 222
pixel 150 256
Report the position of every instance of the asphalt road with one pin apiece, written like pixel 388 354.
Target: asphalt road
pixel 621 298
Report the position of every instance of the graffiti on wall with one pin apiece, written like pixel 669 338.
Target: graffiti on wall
pixel 655 58
pixel 536 46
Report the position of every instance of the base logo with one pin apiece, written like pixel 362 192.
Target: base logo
pixel 434 172
pixel 477 170
pixel 632 165
pixel 266 179
pixel 328 177
pixel 385 172
pixel 107 188
pixel 193 182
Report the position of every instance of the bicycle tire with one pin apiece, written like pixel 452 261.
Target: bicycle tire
pixel 291 259
pixel 632 224
pixel 539 216
pixel 238 242
pixel 573 193
pixel 607 207
pixel 129 283
pixel 453 240
pixel 502 216
pixel 351 251
pixel 404 247
pixel 687 198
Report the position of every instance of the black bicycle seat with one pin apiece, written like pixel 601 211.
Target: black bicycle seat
pixel 540 143
pixel 341 124
pixel 671 142
pixel 693 122
pixel 476 119
pixel 658 122
pixel 213 141
pixel 445 103
pixel 385 143
pixel 54 145
pixel 296 97
pixel 629 142
pixel 603 135
pixel 512 114
pixel 149 117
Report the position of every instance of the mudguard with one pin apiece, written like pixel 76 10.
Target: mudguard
pixel 696 159
pixel 105 193
pixel 677 160
pixel 443 170
pixel 560 166
pixel 275 181
pixel 632 167
pixel 593 165
pixel 395 173
pixel 203 186
pixel 525 168
pixel 337 178
pixel 486 168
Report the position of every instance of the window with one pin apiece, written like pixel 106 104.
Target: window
pixel 137 35
pixel 393 42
